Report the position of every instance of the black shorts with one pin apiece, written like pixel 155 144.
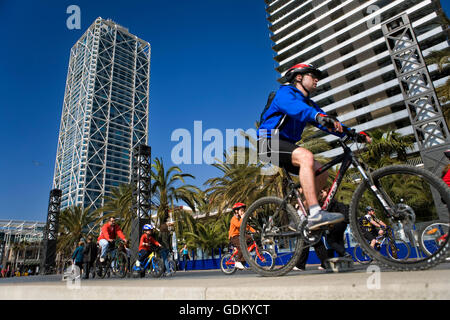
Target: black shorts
pixel 370 235
pixel 280 156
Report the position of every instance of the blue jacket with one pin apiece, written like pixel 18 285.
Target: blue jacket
pixel 291 102
pixel 78 254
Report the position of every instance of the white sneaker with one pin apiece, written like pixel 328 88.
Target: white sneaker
pixel 324 218
pixel 297 269
pixel 239 265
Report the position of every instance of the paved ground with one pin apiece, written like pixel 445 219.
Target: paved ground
pixel 314 284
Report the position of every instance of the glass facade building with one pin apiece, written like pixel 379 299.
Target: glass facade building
pixel 105 113
pixel 345 40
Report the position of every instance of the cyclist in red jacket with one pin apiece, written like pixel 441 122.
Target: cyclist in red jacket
pixel 109 232
pixel 145 245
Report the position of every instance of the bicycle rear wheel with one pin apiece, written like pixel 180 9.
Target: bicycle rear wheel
pixel 172 268
pixel 102 268
pixel 276 223
pixel 227 264
pixel 156 267
pixel 416 196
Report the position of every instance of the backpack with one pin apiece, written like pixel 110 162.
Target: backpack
pixel 268 103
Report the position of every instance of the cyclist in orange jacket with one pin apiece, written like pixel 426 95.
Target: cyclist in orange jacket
pixel 233 233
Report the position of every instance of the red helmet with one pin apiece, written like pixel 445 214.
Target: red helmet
pixel 239 205
pixel 302 68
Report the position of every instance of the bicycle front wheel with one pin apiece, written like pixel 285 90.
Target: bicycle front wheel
pixel 415 197
pixel 276 225
pixel 360 256
pixel 265 260
pixel 121 265
pixel 398 250
pixel 227 264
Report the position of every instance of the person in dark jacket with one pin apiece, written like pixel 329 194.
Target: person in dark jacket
pixel 77 255
pixel 89 256
pixel 165 238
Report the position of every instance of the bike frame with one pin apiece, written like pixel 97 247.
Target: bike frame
pixel 149 260
pixel 346 159
pixel 252 247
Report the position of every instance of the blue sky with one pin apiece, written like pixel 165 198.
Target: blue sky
pixel 211 61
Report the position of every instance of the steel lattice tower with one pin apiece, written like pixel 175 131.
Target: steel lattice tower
pixel 51 232
pixel 105 113
pixel 430 128
pixel 345 40
pixel 141 194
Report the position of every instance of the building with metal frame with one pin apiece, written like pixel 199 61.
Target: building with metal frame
pixel 344 38
pixel 104 115
pixel 15 232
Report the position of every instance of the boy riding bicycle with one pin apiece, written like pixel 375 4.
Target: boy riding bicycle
pixel 145 244
pixel 233 233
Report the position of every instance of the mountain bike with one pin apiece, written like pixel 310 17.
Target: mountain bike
pixel 262 258
pixel 432 237
pixel 397 249
pixel 116 261
pixel 393 191
pixel 152 265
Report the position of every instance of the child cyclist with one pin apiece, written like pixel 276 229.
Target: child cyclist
pixel 145 248
pixel 233 233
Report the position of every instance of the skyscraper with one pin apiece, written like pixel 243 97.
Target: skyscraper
pixel 105 113
pixel 345 40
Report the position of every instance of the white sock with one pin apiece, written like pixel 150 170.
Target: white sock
pixel 313 210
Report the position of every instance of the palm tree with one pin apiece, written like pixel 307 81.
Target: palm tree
pixel 208 236
pixel 119 205
pixel 166 189
pixel 184 223
pixel 75 223
pixel 241 179
pixel 384 145
pixel 312 140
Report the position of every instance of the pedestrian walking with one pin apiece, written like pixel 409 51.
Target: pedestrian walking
pixel 164 240
pixel 321 253
pixel 185 253
pixel 335 234
pixel 77 255
pixel 89 256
